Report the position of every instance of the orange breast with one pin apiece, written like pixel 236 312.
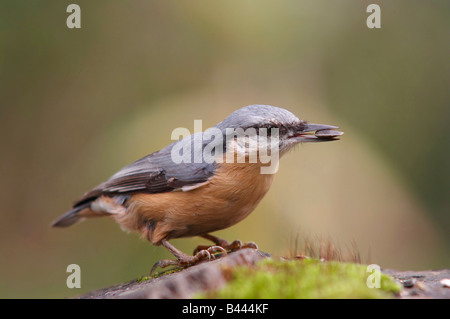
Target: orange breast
pixel 228 197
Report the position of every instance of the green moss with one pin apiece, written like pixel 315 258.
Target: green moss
pixel 159 274
pixel 143 278
pixel 308 278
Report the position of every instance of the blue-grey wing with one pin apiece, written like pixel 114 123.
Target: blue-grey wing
pixel 154 173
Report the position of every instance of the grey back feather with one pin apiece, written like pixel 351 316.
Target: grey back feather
pixel 155 173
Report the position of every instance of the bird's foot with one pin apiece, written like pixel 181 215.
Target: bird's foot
pixel 186 260
pixel 225 244
pixel 237 244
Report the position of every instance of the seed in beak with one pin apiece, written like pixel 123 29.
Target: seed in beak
pixel 328 133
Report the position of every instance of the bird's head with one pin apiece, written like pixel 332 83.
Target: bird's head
pixel 267 120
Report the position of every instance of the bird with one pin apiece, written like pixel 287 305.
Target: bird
pixel 162 197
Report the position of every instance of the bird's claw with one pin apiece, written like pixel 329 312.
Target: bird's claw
pixel 237 244
pixel 201 253
pixel 210 249
pixel 186 260
pixel 225 246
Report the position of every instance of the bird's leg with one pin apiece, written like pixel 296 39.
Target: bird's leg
pixel 184 260
pixel 235 245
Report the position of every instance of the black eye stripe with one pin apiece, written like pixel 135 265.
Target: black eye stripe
pixel 283 128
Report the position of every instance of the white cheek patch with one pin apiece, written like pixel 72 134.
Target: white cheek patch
pixel 246 146
pixel 254 149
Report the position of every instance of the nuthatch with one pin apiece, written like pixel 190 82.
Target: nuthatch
pixel 162 198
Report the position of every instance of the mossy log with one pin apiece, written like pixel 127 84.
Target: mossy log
pixel 232 275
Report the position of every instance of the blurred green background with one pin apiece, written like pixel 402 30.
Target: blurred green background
pixel 76 105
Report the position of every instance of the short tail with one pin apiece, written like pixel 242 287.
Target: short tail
pixel 71 217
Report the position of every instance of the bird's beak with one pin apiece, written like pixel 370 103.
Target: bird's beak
pixel 323 133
